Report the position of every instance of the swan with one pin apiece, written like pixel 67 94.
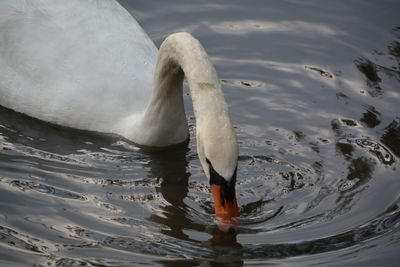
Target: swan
pixel 89 65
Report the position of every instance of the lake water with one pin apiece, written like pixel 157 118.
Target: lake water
pixel 313 89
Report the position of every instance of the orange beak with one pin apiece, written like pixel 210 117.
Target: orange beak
pixel 225 209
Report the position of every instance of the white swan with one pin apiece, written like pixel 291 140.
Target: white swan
pixel 89 65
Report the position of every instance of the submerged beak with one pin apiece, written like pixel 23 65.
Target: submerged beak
pixel 226 209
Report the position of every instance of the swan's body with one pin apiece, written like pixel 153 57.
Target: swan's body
pixel 51 52
pixel 89 65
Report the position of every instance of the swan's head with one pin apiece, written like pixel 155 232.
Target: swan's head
pixel 218 153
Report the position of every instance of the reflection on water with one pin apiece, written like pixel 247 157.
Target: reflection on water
pixel 314 97
pixel 391 136
pixel 369 69
pixel 371 118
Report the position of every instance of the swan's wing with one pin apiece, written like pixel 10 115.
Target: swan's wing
pixel 84 64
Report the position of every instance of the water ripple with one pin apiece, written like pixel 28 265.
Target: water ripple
pixel 376 149
pixel 373 229
pixel 42 188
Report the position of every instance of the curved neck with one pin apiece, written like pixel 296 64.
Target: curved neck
pixel 164 119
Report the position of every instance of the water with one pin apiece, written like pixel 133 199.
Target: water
pixel 313 89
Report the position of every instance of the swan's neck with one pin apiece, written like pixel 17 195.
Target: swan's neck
pixel 164 120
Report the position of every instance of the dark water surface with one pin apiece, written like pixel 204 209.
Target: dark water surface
pixel 313 89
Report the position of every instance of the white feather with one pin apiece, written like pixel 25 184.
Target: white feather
pixel 83 64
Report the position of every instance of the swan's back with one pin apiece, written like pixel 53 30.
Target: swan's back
pixel 84 64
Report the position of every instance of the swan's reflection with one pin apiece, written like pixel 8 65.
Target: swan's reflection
pixel 171 167
pixel 222 240
pixel 229 251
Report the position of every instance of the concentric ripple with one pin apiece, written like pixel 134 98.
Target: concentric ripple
pixel 315 104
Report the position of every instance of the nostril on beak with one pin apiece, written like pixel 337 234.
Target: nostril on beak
pixel 232 230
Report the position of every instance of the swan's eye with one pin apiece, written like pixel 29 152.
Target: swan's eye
pixel 228 187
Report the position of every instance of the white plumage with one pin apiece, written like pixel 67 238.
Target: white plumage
pixel 83 64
